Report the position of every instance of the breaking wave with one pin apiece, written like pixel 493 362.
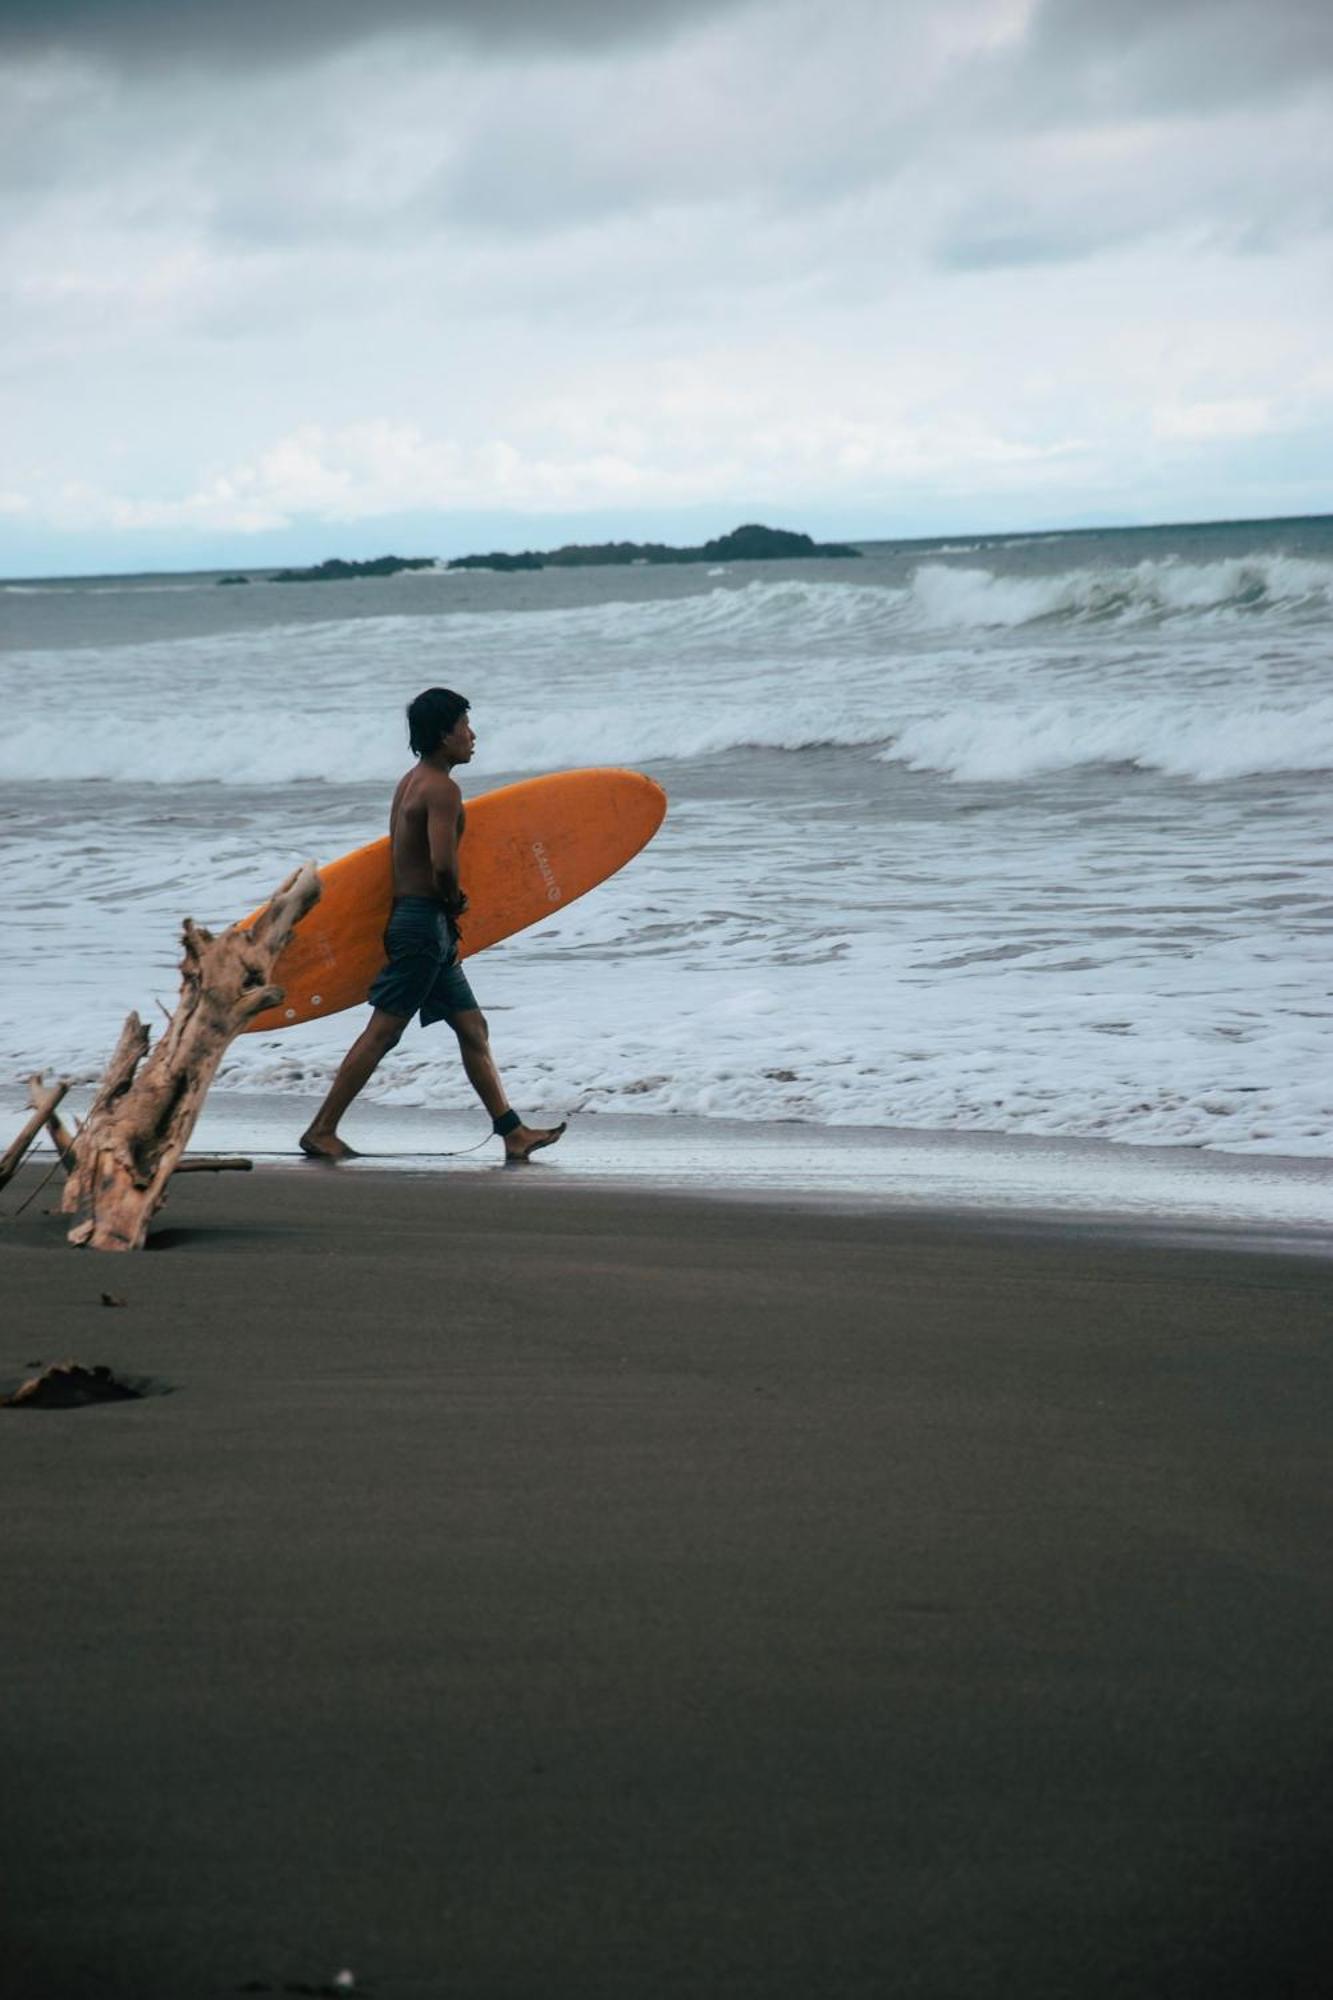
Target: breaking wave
pixel 370 750
pixel 973 743
pixel 946 598
pixel 902 674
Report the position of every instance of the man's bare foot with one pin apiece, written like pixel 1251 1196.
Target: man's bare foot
pixel 330 1150
pixel 525 1140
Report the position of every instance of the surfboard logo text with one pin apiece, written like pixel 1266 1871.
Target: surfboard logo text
pixel 547 872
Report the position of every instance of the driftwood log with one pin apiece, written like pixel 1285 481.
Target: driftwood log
pixel 145 1110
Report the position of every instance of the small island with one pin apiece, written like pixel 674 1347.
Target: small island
pixel 751 543
pixel 337 571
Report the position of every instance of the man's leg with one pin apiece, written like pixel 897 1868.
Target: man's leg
pixel 474 1042
pixel 381 1033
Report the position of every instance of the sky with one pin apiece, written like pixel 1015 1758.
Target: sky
pixel 283 279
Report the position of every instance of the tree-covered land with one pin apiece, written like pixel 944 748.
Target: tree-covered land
pixel 751 543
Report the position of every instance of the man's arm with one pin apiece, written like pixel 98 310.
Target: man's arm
pixel 442 836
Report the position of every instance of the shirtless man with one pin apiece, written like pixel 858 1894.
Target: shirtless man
pixel 423 974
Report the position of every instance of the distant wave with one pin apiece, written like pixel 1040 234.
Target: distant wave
pixel 993 745
pixel 783 665
pixel 935 597
pixel 945 598
pixel 126 589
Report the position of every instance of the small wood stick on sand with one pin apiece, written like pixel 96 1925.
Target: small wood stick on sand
pixel 42 1111
pixel 57 1131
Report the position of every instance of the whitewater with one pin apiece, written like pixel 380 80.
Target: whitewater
pixel 1021 835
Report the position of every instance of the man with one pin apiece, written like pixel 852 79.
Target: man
pixel 423 974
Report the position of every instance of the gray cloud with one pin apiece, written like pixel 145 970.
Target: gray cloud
pixel 997 242
pixel 1149 56
pixel 1111 126
pixel 247 34
pixel 953 130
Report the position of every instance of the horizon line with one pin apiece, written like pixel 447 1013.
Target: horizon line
pixel 861 541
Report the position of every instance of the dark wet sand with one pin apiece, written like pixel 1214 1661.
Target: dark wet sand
pixel 531 1592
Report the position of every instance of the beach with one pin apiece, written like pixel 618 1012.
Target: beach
pixel 853 1520
pixel 515 1585
pixel 763 578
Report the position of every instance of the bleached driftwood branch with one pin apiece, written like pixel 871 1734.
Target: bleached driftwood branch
pixel 144 1112
pixel 43 1111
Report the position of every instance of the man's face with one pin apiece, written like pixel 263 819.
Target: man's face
pixel 459 744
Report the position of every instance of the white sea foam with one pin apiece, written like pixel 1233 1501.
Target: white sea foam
pixel 158 750
pixel 297 749
pixel 870 1030
pixel 1005 746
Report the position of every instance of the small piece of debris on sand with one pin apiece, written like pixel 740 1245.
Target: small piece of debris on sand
pixel 67 1385
pixel 337 1988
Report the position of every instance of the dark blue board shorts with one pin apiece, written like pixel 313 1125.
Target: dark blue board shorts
pixel 423 975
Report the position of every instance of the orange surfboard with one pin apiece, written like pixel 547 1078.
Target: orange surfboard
pixel 528 849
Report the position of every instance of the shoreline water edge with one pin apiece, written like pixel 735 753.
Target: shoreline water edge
pixel 1265 1201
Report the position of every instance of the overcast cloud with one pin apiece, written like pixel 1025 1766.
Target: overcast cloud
pixel 446 268
pixel 255 34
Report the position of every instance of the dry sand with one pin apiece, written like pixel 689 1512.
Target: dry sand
pixel 531 1591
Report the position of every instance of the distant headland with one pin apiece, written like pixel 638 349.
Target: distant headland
pixel 751 543
pixel 748 544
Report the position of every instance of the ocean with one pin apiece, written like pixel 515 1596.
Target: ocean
pixel 1016 835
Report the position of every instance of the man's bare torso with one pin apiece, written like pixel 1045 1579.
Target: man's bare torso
pixel 426 805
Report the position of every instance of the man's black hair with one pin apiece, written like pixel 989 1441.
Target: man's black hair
pixel 431 716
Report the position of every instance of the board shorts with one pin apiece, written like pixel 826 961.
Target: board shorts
pixel 423 975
